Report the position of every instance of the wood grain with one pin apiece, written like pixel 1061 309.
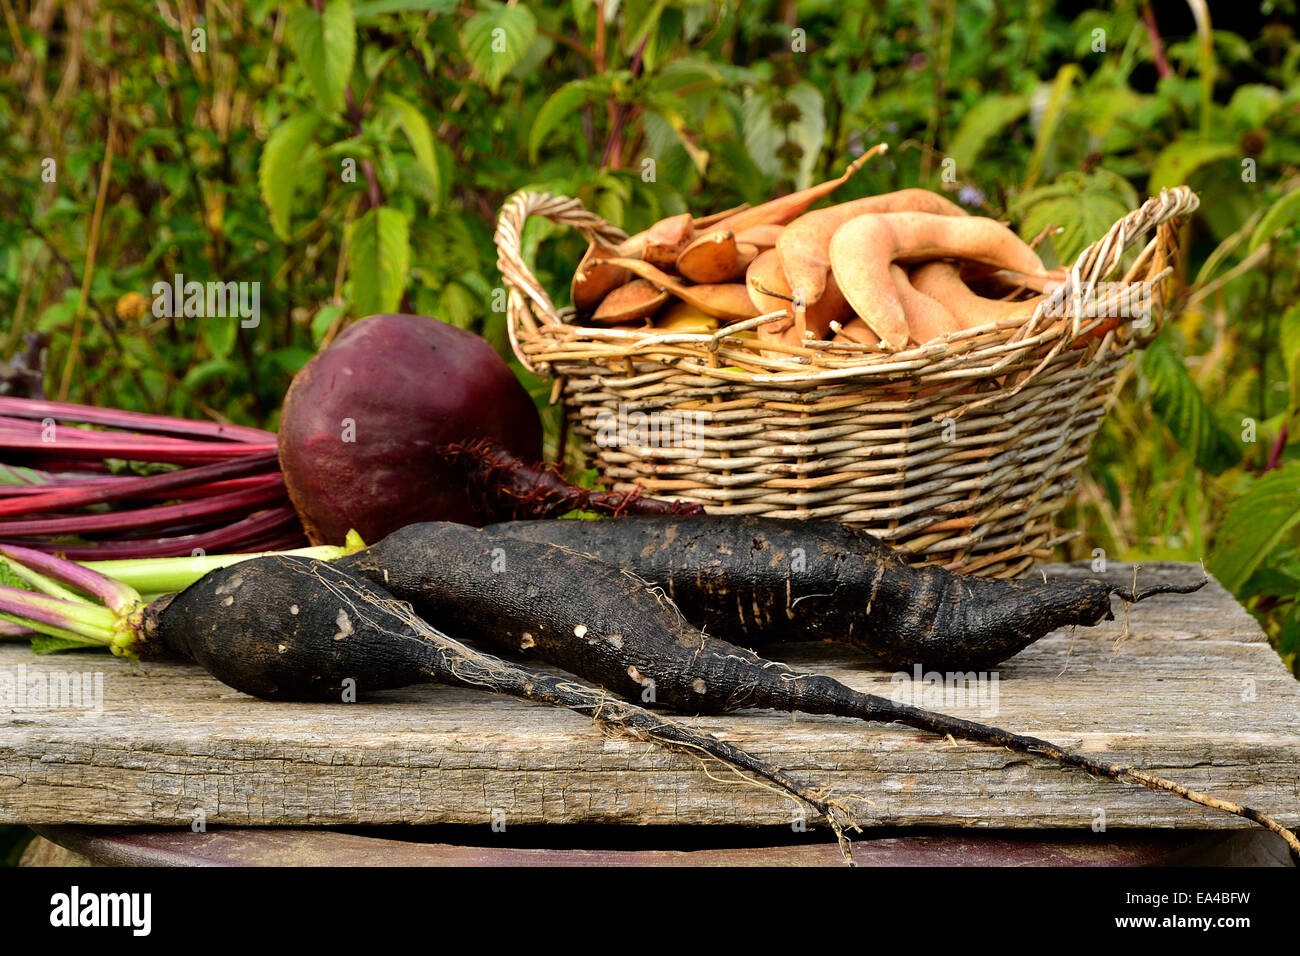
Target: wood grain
pixel 1190 688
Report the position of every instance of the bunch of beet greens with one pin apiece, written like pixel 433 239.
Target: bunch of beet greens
pixel 92 482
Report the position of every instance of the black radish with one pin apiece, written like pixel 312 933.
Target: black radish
pixel 754 580
pixel 612 628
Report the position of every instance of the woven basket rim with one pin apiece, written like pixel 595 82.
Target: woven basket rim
pixel 541 335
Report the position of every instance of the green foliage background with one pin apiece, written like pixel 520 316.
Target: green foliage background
pixel 351 156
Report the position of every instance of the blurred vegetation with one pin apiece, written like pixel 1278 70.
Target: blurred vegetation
pixel 351 156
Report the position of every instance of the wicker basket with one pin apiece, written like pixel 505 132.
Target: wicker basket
pixel 960 452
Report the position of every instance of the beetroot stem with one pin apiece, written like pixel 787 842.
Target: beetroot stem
pixel 134 421
pixel 154 517
pixel 124 488
pixel 117 596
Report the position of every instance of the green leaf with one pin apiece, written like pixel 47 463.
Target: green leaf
pixel 323 320
pixel 559 106
pixel 418 134
pixel 1253 103
pixel 1058 99
pixel 45 644
pixel 325 44
pixel 1082 206
pixel 219 335
pixel 379 258
pixel 291 360
pixel 1179 404
pixel 1177 161
pixel 277 172
pixel 1288 341
pixel 9 579
pixel 365 12
pixel 763 136
pixel 981 123
pixel 1288 638
pixel 1255 524
pixel 1281 215
pixel 205 372
pixel 496 39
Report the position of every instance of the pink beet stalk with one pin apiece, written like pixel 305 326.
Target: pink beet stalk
pixel 123 488
pixel 133 421
pixel 115 595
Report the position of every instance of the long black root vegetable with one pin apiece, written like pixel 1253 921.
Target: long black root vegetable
pixel 293 628
pixel 753 580
pixel 611 628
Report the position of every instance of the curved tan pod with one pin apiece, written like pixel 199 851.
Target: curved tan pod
pixel 637 299
pixel 781 210
pixel 927 318
pixel 805 244
pixel 763 236
pixel 942 281
pixel 863 248
pixel 855 330
pixel 712 257
pixel 767 272
pixel 727 301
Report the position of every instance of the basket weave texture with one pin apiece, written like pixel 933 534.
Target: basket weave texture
pixel 960 452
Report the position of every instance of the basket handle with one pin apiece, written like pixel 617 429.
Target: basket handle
pixel 1103 257
pixel 521 284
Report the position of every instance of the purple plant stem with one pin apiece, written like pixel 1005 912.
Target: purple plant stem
pixel 229 537
pixel 114 595
pixel 134 421
pixel 124 488
pixel 181 453
pixel 36 607
pixel 155 517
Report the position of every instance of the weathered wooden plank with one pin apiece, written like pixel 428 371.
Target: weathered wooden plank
pixel 1191 688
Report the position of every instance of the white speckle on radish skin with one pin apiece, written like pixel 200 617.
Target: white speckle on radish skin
pixel 580 631
pixel 282 648
pixel 345 625
pixel 228 600
pixel 232 584
pixel 527 642
pixel 616 640
pixel 293 609
pixel 699 686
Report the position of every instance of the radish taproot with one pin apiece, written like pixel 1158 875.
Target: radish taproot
pixel 752 579
pixel 628 636
pixel 294 628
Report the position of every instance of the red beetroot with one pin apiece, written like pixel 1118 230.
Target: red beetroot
pixel 363 419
